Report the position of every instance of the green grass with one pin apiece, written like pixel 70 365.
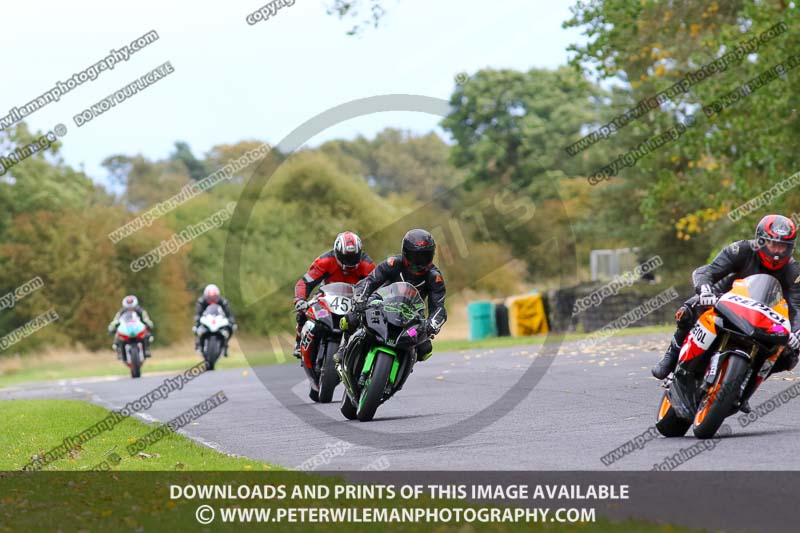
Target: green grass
pixel 41 425
pixel 107 365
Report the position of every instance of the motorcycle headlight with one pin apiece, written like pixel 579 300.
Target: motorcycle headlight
pixel 225 333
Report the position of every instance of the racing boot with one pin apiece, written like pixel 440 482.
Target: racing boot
pixel 745 407
pixel 666 365
pixel 296 351
pixel 424 351
pixel 422 356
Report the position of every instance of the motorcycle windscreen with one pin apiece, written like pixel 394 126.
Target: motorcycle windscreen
pixel 344 290
pixel 214 309
pixel 130 324
pixel 764 288
pixel 753 314
pixel 402 304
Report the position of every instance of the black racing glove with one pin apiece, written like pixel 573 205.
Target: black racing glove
pixel 359 306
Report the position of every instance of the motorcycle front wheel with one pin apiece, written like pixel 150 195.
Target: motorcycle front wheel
pixel 212 351
pixel 134 360
pixel 720 400
pixel 373 389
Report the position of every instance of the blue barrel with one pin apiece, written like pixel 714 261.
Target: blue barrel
pixel 482 322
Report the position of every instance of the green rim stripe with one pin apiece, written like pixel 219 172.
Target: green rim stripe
pixel 371 357
pixel 395 366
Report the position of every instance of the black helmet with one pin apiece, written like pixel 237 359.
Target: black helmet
pixel 775 229
pixel 418 250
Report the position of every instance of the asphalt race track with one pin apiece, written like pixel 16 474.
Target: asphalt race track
pixel 587 404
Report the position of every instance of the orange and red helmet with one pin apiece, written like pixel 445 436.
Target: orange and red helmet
pixel 775 239
pixel 347 250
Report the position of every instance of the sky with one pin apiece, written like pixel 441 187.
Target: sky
pixel 234 81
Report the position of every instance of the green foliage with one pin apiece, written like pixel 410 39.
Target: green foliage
pixel 398 162
pixel 510 129
pixel 197 170
pixel 675 200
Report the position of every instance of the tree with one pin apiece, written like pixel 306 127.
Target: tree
pixel 683 191
pixel 144 181
pixel 197 170
pixel 398 162
pixel 510 129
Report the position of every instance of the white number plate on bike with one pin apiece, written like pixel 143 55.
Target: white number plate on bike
pixel 339 304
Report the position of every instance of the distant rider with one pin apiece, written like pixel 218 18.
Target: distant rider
pixel 346 262
pixel 769 253
pixel 414 265
pixel 211 295
pixel 131 303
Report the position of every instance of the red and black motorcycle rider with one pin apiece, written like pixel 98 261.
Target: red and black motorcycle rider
pixel 769 253
pixel 346 262
pixel 414 265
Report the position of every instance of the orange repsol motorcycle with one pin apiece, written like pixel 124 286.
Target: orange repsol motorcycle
pixel 727 355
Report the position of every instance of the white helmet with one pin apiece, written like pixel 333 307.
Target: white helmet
pixel 211 293
pixel 130 302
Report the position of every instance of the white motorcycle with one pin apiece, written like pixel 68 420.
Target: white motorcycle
pixel 214 331
pixel 320 337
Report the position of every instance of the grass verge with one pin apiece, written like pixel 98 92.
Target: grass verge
pixel 41 425
pixel 63 365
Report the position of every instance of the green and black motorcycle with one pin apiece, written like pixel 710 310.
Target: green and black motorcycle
pixel 382 351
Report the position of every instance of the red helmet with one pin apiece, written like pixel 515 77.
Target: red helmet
pixel 347 250
pixel 211 293
pixel 775 239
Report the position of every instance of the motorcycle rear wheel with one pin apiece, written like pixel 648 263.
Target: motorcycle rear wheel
pixel 668 423
pixel 328 377
pixel 347 408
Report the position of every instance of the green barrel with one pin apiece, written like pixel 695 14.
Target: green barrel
pixel 482 321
